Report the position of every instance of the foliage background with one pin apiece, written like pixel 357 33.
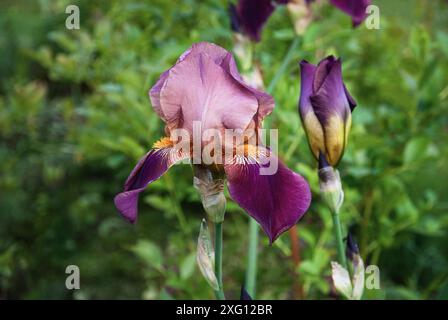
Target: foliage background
pixel 75 117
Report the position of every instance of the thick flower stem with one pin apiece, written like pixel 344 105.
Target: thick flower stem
pixel 339 240
pixel 218 260
pixel 251 271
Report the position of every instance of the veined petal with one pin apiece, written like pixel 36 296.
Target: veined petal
pixel 198 89
pixel 154 92
pixel 205 85
pixel 226 61
pixel 275 201
pixel 150 168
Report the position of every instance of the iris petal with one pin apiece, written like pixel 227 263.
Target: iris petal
pixel 205 85
pixel 330 99
pixel 355 8
pixel 150 168
pixel 275 201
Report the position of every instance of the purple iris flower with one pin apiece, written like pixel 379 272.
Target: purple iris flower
pixel 249 16
pixel 354 8
pixel 204 86
pixel 325 107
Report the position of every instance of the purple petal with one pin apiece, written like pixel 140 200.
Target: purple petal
pixel 265 101
pixel 313 128
pixel 355 8
pixel 205 86
pixel 275 201
pixel 330 98
pixel 252 16
pixel 323 70
pixel 234 20
pixel 154 93
pixel 150 168
pixel 198 89
pixel 227 62
pixel 332 108
pixel 307 71
pixel 351 100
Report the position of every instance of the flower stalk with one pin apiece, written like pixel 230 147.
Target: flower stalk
pixel 333 196
pixel 326 107
pixel 339 239
pixel 210 185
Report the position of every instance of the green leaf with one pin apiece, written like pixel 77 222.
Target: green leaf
pixel 415 150
pixel 150 253
pixel 187 266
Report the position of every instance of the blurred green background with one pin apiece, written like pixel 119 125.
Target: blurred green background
pixel 75 117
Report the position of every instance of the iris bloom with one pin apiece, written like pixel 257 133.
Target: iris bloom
pixel 354 8
pixel 204 86
pixel 249 16
pixel 325 107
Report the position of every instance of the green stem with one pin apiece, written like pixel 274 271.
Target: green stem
pixel 251 271
pixel 339 240
pixel 284 65
pixel 218 260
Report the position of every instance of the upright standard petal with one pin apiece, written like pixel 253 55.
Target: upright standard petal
pixel 150 168
pixel 198 89
pixel 354 8
pixel 275 201
pixel 169 105
pixel 154 92
pixel 226 61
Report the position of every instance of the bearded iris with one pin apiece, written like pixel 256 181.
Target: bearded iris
pixel 204 86
pixel 325 107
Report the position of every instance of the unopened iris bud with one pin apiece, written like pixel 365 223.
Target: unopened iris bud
pixel 205 256
pixel 331 187
pixel 325 108
pixel 211 189
pixel 352 250
pixel 352 288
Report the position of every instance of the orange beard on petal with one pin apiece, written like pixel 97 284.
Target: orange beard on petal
pixel 165 142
